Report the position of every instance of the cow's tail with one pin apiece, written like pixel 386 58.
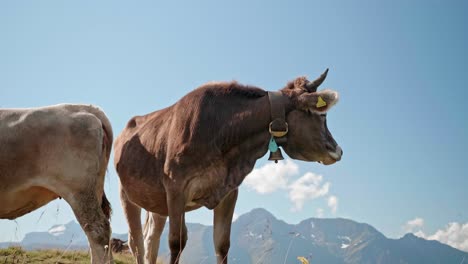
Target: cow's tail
pixel 106 206
pixel 108 138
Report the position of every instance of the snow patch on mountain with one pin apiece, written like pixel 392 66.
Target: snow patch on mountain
pixel 345 238
pixel 57 230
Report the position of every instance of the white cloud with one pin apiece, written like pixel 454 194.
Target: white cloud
pixel 420 233
pixel 412 225
pixel 454 234
pixel 234 217
pixel 271 176
pixel 333 203
pixel 319 212
pixel 307 187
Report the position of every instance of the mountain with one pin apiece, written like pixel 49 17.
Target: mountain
pixel 259 237
pixel 69 236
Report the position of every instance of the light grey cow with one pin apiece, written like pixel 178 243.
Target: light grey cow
pixel 58 151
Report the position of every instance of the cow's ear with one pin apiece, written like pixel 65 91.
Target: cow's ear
pixel 318 102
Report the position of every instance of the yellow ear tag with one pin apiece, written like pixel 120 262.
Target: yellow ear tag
pixel 303 260
pixel 320 102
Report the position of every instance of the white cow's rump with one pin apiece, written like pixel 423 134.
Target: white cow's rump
pixel 57 151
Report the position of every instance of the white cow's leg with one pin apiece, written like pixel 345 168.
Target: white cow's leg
pixel 222 226
pixel 135 235
pixel 154 227
pixel 88 211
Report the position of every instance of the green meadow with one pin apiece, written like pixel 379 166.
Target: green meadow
pixel 17 255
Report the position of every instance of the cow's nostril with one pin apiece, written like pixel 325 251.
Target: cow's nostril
pixel 339 150
pixel 331 148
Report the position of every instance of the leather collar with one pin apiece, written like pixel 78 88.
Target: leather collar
pixel 278 126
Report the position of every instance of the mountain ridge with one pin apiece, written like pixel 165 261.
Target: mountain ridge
pixel 259 237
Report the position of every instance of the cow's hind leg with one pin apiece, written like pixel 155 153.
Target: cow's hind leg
pixel 153 229
pixel 177 228
pixel 222 226
pixel 90 215
pixel 135 234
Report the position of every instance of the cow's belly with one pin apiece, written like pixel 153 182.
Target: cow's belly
pixel 151 197
pixel 145 188
pixel 147 195
pixel 19 203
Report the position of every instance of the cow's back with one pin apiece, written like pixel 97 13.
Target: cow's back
pixel 39 144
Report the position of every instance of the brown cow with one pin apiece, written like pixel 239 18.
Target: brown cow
pixel 198 151
pixel 58 151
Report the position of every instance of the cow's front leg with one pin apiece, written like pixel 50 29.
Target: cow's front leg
pixel 222 226
pixel 177 228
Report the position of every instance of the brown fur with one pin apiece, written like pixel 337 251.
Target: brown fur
pixel 298 83
pixel 118 246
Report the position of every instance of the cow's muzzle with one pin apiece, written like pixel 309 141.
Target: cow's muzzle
pixel 333 156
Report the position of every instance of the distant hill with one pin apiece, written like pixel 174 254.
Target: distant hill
pixel 259 237
pixel 69 235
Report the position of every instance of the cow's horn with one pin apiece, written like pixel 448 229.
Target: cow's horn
pixel 312 86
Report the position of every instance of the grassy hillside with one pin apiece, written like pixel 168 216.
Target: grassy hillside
pixel 17 255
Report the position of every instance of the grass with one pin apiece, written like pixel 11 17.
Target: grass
pixel 17 255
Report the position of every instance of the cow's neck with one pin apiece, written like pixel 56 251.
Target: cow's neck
pixel 253 145
pixel 252 134
pixel 249 142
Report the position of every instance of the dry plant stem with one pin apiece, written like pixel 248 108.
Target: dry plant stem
pixel 66 250
pixel 287 252
pixel 203 260
pixel 264 253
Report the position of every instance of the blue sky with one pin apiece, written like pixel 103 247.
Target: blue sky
pixel 400 68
